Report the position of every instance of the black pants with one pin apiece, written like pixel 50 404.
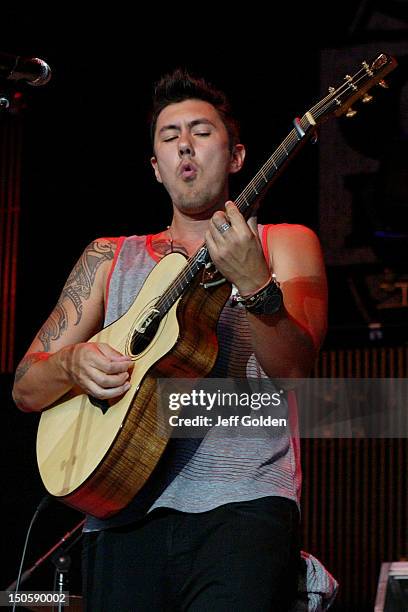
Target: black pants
pixel 241 556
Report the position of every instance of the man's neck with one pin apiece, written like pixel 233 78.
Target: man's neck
pixel 188 231
pixel 185 238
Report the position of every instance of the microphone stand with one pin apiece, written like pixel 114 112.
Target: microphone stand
pixel 62 563
pixel 39 561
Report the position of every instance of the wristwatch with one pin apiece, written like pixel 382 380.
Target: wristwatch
pixel 268 300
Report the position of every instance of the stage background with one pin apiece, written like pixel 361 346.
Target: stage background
pixel 81 170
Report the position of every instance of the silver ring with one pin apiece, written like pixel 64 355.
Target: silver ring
pixel 223 228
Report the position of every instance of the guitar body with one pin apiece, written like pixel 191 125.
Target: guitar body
pixel 95 456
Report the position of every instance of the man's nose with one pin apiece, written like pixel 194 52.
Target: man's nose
pixel 185 145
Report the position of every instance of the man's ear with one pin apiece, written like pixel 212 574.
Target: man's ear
pixel 237 158
pixel 153 161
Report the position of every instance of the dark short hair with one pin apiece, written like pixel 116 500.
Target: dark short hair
pixel 178 86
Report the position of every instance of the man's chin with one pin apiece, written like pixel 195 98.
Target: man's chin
pixel 196 209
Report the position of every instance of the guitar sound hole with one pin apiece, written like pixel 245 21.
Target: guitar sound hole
pixel 141 340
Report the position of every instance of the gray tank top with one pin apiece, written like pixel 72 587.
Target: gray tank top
pixel 196 475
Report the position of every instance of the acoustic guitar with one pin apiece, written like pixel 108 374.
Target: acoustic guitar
pixel 96 455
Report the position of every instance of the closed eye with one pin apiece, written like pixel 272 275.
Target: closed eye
pixel 170 138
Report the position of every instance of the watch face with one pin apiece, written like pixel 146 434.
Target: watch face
pixel 272 303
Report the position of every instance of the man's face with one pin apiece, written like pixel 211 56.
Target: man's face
pixel 193 157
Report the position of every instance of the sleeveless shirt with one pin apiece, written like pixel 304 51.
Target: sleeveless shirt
pixel 197 475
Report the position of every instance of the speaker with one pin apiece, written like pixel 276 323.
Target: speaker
pixel 392 591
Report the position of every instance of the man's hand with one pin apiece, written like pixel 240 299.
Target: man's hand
pixel 97 368
pixel 237 251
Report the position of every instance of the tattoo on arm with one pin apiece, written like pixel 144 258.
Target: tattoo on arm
pixel 27 362
pixel 77 289
pixel 54 327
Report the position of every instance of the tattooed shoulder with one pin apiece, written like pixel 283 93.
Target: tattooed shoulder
pixel 80 282
pixel 77 289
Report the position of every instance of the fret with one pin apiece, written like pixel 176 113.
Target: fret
pixel 253 188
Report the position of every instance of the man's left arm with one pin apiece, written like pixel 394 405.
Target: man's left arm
pixel 286 343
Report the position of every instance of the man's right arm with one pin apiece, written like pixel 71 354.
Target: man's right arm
pixel 60 356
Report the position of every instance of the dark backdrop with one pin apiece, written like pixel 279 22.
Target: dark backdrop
pixel 86 170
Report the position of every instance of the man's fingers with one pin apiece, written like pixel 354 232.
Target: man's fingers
pixel 101 393
pixel 210 242
pixel 253 225
pixel 105 365
pixel 235 217
pixel 231 217
pixel 109 381
pixel 105 358
pixel 110 352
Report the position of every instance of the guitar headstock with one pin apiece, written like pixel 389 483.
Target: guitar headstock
pixel 355 87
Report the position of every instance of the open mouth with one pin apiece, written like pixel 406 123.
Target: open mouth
pixel 188 171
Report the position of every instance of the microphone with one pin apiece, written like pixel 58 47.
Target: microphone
pixel 31 69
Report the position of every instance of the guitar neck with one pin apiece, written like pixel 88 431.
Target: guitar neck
pixel 271 169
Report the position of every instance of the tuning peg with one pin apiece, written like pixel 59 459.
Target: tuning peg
pixel 351 112
pixel 366 98
pixel 383 84
pixel 331 92
pixel 351 84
